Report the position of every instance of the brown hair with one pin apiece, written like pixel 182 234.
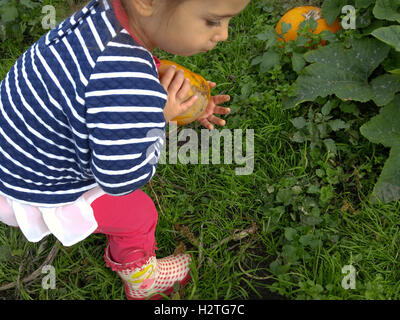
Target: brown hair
pixel 172 4
pixel 76 5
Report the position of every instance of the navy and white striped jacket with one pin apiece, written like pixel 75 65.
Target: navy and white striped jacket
pixel 82 107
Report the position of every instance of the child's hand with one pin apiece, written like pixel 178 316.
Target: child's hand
pixel 213 108
pixel 177 87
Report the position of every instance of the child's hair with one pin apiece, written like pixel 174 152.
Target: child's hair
pixel 172 4
pixel 77 6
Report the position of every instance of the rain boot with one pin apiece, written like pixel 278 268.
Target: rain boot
pixel 147 277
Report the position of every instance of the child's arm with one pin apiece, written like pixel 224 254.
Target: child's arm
pixel 125 119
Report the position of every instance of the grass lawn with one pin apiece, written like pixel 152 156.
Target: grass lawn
pixel 287 230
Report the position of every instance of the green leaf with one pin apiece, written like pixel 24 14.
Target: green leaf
pixel 308 25
pixel 290 233
pixel 288 182
pixel 320 172
pixel 302 41
pixel 387 187
pixel 268 37
pixel 385 88
pixel 299 122
pixel 392 63
pixel 270 59
pixel 298 137
pixel 315 244
pixel 313 189
pixel 290 253
pixel 306 239
pixel 331 146
pixel 298 62
pixel 329 36
pixel 311 220
pixel 263 36
pixel 327 193
pixel 361 4
pixel 332 176
pixel 365 19
pixel 387 10
pixel 256 60
pixel 327 108
pixel 338 70
pixel 389 35
pixel 331 9
pixel 30 4
pixel 9 14
pixel 338 124
pixel 284 196
pixel 349 107
pixel 385 129
pixel 277 268
pixel 285 27
pixel 323 130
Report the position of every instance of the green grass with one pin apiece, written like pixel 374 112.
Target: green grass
pixel 312 213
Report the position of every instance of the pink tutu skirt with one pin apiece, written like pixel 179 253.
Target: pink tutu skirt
pixel 69 223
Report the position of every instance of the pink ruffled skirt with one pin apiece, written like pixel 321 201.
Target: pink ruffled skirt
pixel 69 223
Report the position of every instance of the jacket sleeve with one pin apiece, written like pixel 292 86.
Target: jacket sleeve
pixel 125 119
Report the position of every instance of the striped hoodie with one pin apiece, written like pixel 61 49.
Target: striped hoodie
pixel 82 107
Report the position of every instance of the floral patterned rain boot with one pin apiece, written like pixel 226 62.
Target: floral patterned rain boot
pixel 148 277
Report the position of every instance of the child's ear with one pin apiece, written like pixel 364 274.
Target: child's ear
pixel 144 7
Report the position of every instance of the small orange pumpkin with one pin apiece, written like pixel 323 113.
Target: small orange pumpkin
pixel 297 15
pixel 199 86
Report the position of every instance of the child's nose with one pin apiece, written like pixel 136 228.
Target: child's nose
pixel 222 35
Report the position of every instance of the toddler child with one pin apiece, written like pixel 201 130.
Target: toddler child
pixel 77 109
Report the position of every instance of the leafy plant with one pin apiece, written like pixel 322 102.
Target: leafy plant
pixel 385 129
pixel 290 53
pixel 344 69
pixel 19 18
pixel 317 128
pixel 361 66
pixel 298 15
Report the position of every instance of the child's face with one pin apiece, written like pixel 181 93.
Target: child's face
pixel 195 26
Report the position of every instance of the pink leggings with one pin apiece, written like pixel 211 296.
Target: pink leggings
pixel 129 222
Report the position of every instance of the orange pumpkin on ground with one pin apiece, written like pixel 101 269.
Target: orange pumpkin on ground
pixel 297 15
pixel 199 87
